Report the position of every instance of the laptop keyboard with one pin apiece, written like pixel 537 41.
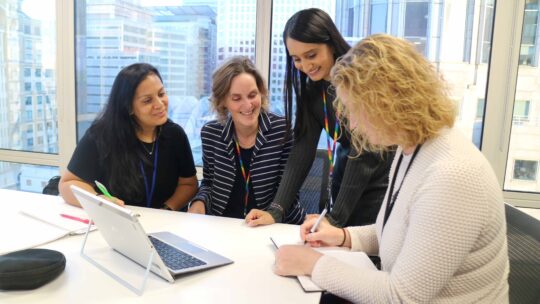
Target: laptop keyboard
pixel 173 257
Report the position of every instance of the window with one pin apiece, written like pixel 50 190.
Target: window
pixel 188 50
pixel 112 34
pixel 28 45
pixel 525 170
pixel 480 105
pixel 524 144
pixel 521 112
pixel 486 16
pixel 379 11
pixel 423 22
pixel 469 23
pixel 416 27
pixel 32 176
pixel 528 53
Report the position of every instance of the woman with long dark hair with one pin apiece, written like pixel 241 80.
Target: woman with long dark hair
pixel 313 43
pixel 132 148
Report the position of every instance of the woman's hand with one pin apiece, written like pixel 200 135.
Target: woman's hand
pixel 258 217
pixel 113 199
pixel 313 215
pixel 197 207
pixel 326 234
pixel 294 260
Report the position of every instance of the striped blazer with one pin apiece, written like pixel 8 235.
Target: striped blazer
pixel 267 165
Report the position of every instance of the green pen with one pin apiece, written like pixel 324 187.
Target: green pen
pixel 103 189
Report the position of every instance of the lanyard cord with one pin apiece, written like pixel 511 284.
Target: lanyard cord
pixel 330 147
pixel 150 189
pixel 393 196
pixel 245 174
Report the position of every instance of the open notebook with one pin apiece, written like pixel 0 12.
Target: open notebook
pixel 71 220
pixel 40 224
pixel 353 258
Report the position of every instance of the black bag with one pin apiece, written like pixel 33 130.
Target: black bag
pixel 30 268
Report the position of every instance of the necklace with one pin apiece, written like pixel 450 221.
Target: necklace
pixel 153 143
pixel 151 150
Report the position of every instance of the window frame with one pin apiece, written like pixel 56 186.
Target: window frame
pixel 500 95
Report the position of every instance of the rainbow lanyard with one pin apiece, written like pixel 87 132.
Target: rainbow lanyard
pixel 331 148
pixel 245 175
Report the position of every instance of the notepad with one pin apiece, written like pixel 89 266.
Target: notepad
pixel 354 258
pixel 40 225
pixel 71 219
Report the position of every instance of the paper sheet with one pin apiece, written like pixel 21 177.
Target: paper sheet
pixel 37 223
pixel 30 233
pixel 353 258
pixel 53 217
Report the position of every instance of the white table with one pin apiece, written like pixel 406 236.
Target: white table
pixel 248 280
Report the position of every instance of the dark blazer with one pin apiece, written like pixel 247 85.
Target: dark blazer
pixel 267 165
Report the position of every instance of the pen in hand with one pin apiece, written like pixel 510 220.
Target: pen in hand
pixel 319 219
pixel 318 222
pixel 103 189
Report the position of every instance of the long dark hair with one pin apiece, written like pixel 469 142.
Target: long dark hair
pixel 308 26
pixel 115 132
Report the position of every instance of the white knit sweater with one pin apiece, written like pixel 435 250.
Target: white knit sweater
pixel 445 241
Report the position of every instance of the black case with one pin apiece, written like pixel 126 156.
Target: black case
pixel 30 268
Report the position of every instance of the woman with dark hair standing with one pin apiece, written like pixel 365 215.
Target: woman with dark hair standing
pixel 358 184
pixel 133 148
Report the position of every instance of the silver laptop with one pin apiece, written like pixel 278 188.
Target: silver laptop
pixel 122 230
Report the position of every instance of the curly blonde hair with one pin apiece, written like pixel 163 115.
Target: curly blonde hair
pixel 398 90
pixel 223 77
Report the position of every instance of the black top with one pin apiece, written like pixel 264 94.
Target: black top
pixel 359 184
pixel 175 160
pixel 235 207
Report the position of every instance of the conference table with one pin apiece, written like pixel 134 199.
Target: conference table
pixel 249 279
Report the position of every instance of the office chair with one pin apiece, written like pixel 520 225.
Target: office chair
pixel 52 186
pixel 313 193
pixel 523 233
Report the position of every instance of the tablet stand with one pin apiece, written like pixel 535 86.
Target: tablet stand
pixel 139 291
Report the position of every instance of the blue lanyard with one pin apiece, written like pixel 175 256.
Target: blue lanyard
pixel 150 190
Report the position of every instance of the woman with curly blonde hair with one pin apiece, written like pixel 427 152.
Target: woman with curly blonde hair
pixel 441 232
